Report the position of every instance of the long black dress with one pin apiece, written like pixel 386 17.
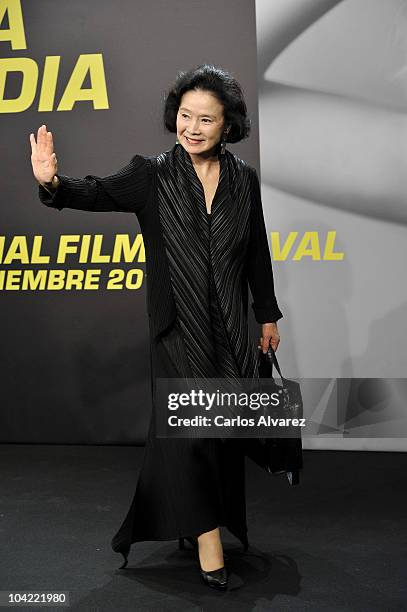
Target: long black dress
pixel 199 266
pixel 203 483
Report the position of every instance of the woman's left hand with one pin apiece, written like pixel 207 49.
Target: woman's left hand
pixel 270 337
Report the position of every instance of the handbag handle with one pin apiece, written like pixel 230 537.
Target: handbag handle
pixel 271 355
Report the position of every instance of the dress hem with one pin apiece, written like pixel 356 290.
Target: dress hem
pixel 152 538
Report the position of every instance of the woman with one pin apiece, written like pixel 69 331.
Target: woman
pixel 201 217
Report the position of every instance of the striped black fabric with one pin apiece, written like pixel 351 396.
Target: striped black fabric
pixel 134 189
pixel 199 268
pixel 206 254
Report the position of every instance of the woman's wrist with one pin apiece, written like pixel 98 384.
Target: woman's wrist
pixel 51 186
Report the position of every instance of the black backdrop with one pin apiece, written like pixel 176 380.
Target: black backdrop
pixel 75 363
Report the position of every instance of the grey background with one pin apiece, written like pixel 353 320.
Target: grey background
pixel 333 134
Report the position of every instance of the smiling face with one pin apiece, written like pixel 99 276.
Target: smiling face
pixel 200 122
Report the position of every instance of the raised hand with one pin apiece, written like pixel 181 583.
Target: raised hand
pixel 43 158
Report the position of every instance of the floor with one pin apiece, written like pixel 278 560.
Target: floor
pixel 336 542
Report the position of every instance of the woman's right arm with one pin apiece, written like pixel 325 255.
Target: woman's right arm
pixel 125 191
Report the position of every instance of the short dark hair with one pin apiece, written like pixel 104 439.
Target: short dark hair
pixel 223 85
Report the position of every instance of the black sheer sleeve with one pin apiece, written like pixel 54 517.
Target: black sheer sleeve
pixel 259 267
pixel 125 191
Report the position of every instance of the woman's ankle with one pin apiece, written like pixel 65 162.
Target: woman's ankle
pixel 210 563
pixel 210 550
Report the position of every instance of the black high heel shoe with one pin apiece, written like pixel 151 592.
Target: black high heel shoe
pixel 217 579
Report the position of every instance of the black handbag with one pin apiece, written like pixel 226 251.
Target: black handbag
pixel 279 455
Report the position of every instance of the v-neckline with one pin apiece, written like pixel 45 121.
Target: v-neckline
pixel 203 188
pixel 199 182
